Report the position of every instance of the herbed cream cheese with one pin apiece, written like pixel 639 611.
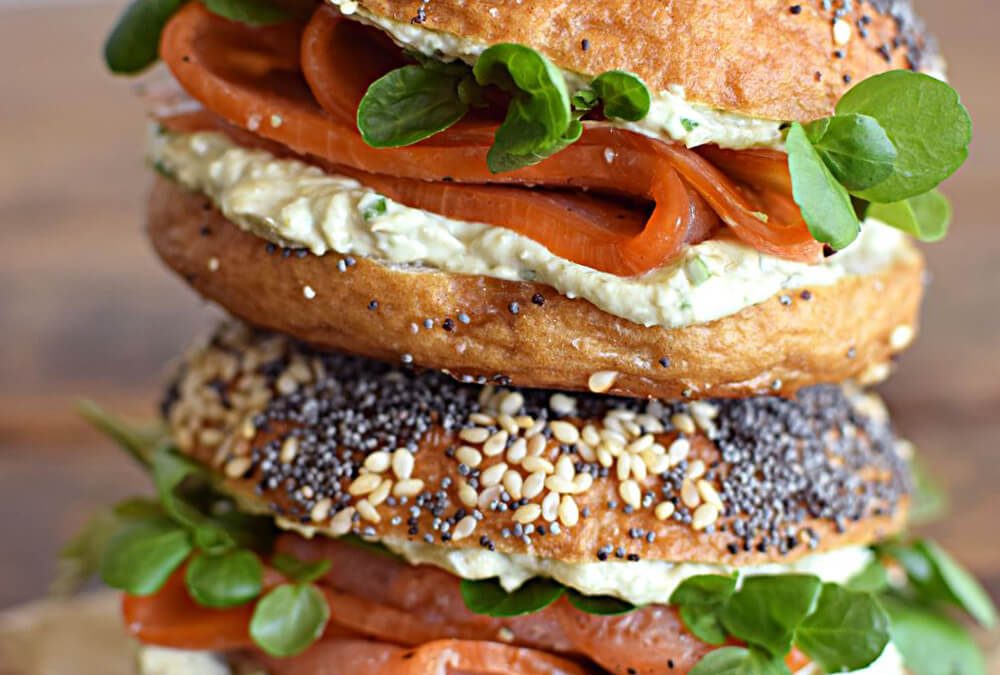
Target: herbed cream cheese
pixel 640 582
pixel 295 204
pixel 671 115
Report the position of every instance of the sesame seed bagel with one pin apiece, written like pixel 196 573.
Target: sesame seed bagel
pixel 772 59
pixel 336 444
pixel 527 334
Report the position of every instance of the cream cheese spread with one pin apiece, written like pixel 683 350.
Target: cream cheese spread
pixel 295 204
pixel 640 582
pixel 671 115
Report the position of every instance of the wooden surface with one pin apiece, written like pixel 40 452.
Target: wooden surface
pixel 86 310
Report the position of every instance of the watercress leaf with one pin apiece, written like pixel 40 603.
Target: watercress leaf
pixel 225 580
pixel 704 622
pixel 139 442
pixel 928 501
pixel 930 642
pixel 926 122
pixel 247 531
pixel 135 508
pixel 623 95
pixel 252 12
pixel 925 216
pixel 739 661
pixel 456 68
pixel 584 100
pixel 134 42
pixel 766 610
pixel 170 470
pixel 289 619
pixel 302 571
pixel 538 120
pixel 872 579
pixel 847 631
pixel 704 589
pixel 470 93
pixel 140 558
pixel 962 588
pixel 604 605
pixel 855 148
pixel 409 104
pixel 488 597
pixel 825 204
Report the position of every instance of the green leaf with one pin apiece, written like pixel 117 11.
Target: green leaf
pixel 847 631
pixel 538 121
pixel 767 609
pixel 931 643
pixel 704 622
pixel 134 42
pixel 855 148
pixel 700 600
pixel 409 104
pixel 604 605
pixel 584 100
pixel 172 471
pixel 928 501
pixel 289 619
pixel 872 579
pixel 138 442
pixel 926 123
pixel 226 580
pixel 488 597
pixel 140 558
pixel 739 661
pixel 925 216
pixel 962 588
pixel 704 589
pixel 252 12
pixel 623 95
pixel 825 204
pixel 302 571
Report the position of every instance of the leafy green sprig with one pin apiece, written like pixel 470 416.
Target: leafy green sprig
pixel 893 138
pixel 133 44
pixel 137 545
pixel 415 102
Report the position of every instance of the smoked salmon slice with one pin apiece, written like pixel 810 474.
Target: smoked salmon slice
pixel 283 83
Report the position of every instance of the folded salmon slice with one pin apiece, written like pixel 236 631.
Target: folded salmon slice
pixel 287 84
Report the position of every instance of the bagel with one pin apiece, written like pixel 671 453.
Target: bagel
pixel 332 444
pixel 792 340
pixel 770 59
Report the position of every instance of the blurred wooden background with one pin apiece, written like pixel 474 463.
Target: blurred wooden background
pixel 86 310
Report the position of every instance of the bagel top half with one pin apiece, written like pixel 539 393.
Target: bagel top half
pixel 772 59
pixel 336 444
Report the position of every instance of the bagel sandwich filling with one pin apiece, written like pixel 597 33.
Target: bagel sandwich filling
pixel 551 327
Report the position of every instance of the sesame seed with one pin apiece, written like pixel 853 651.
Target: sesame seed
pixel 364 484
pixel 367 511
pixel 341 522
pixel 533 464
pixel 321 510
pixel 564 431
pixel 377 462
pixel 402 463
pixel 901 337
pixel 708 493
pixel 493 475
pixel 683 423
pixel 569 513
pixel 689 494
pixel 602 381
pixel 288 450
pixel 550 507
pixel 308 292
pixel 464 528
pixel 517 451
pixel 408 487
pixel 237 467
pixel 469 456
pixel 381 493
pixel 474 434
pixel 468 495
pixel 841 32
pixel 704 515
pixel 528 513
pixel 664 510
pixel 629 492
pixel 512 482
pixel 213 264
pixel 533 485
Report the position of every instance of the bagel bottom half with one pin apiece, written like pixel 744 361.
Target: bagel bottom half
pixel 527 334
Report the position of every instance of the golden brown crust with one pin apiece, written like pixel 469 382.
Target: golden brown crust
pixel 334 443
pixel 756 57
pixel 780 345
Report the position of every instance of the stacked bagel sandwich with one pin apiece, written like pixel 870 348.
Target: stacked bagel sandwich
pixel 551 327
